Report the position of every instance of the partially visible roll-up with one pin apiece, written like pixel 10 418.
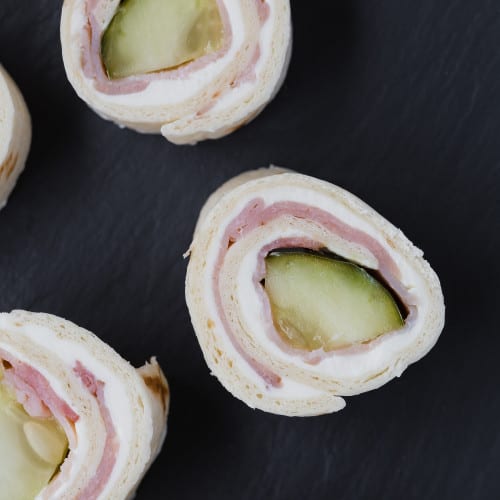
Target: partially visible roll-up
pixel 189 69
pixel 15 135
pixel 300 293
pixel 77 421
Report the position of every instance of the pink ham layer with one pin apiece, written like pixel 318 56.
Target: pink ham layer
pixel 256 214
pixel 94 69
pixel 33 391
pixel 111 446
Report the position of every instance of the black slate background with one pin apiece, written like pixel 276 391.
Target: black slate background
pixel 397 101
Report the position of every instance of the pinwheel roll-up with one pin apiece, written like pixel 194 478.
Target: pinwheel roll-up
pixel 189 69
pixel 77 421
pixel 15 135
pixel 300 293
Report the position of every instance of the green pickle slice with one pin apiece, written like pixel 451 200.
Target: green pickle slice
pixel 154 35
pixel 32 449
pixel 318 301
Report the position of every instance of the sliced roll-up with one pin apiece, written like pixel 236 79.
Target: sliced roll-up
pixel 15 135
pixel 77 421
pixel 188 69
pixel 301 294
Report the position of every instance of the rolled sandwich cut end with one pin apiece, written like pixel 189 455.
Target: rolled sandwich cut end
pixel 189 69
pixel 76 420
pixel 301 294
pixel 15 135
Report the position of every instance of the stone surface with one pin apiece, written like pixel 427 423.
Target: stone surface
pixel 395 100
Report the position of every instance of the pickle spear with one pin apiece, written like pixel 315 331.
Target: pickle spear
pixel 321 302
pixel 154 35
pixel 32 449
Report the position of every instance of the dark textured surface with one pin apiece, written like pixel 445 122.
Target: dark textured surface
pixel 399 102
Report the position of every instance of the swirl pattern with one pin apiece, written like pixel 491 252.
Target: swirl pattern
pixel 270 209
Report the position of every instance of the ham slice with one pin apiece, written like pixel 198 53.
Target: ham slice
pixel 114 416
pixel 204 99
pixel 270 209
pixel 15 135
